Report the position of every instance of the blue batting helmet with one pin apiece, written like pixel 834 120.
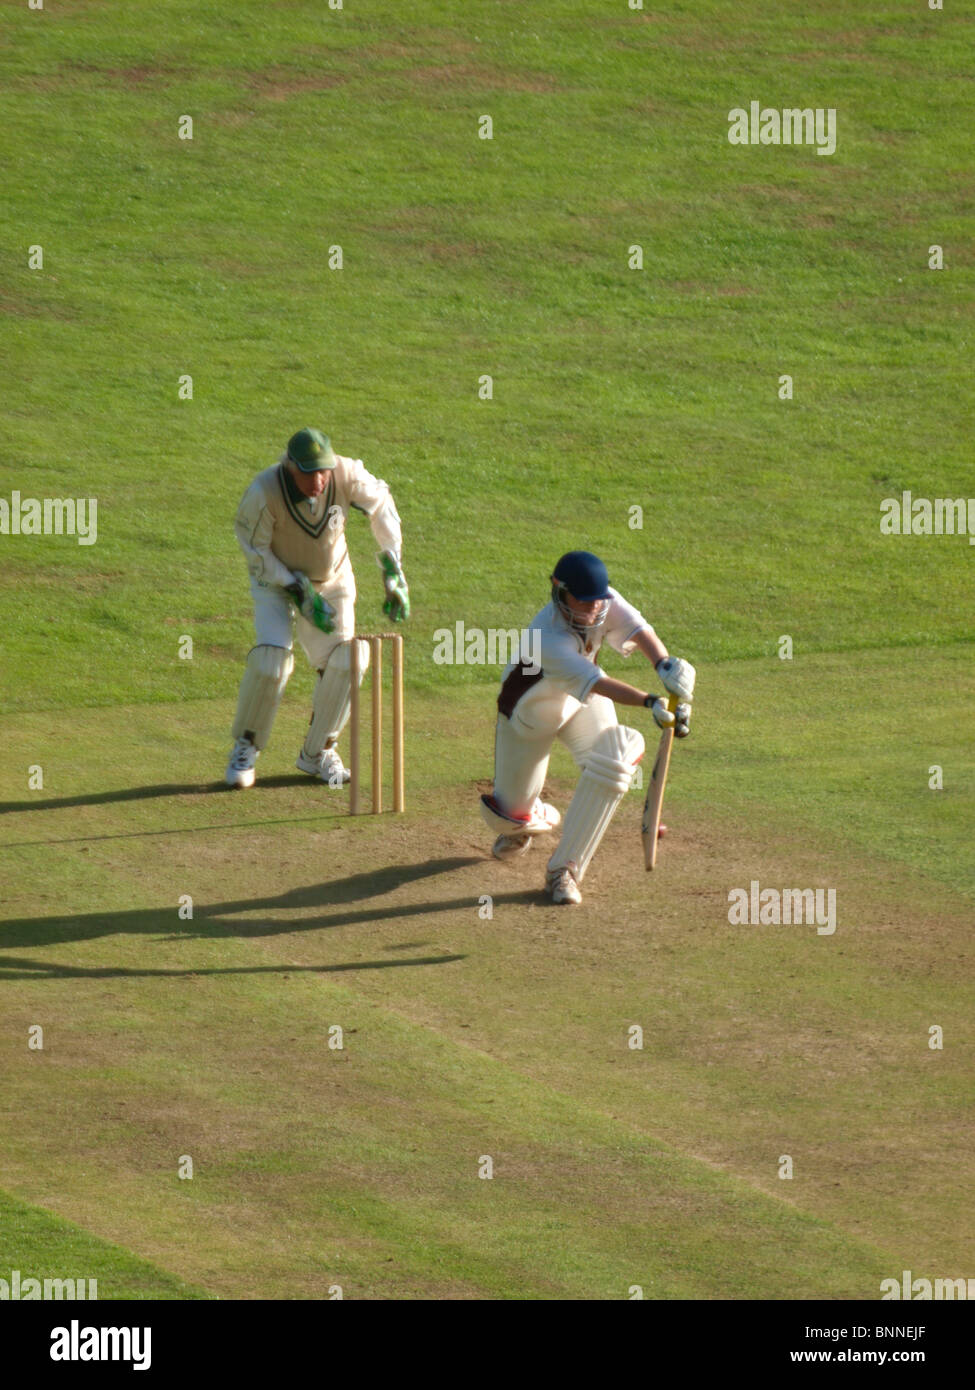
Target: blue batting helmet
pixel 584 575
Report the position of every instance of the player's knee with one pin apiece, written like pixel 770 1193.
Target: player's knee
pixel 271 663
pixel 614 756
pixel 620 744
pixel 340 658
pixel 266 674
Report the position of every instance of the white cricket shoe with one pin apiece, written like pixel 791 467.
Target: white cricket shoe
pixel 561 886
pixel 511 846
pixel 327 766
pixel 240 769
pixel 544 817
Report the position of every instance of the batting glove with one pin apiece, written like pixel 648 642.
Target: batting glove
pixel 678 676
pixel 663 716
pixel 310 603
pixel 682 721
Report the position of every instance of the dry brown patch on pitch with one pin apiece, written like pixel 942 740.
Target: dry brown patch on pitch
pixel 233 119
pixel 731 291
pixel 439 42
pixel 800 202
pixel 20 305
pixel 57 580
pixel 891 137
pixel 423 63
pixel 782 192
pixel 13 302
pixel 858 39
pixel 482 78
pixel 137 75
pixel 283 84
pixel 240 270
pixel 451 253
pixel 622 21
pixel 428 230
pixel 93 581
pixel 170 621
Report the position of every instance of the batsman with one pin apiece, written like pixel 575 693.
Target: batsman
pixel 557 691
pixel 291 528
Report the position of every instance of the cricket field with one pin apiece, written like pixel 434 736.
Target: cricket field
pixel 508 255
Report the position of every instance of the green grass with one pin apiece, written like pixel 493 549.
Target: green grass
pixel 56 1249
pixel 466 1036
pixel 613 389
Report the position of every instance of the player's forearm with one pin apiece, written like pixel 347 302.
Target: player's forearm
pixel 254 538
pixel 266 568
pixel 387 529
pixel 619 692
pixel 650 645
pixel 372 496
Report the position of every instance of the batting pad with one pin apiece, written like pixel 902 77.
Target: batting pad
pixel 265 676
pixel 606 776
pixel 332 701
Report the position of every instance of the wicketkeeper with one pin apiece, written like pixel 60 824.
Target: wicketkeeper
pixel 557 691
pixel 291 528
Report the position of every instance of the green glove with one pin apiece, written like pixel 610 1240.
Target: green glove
pixel 397 602
pixel 310 603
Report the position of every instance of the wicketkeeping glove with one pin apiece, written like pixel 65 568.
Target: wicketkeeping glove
pixel 310 603
pixel 397 603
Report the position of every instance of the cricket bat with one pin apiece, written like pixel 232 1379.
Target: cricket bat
pixel 653 805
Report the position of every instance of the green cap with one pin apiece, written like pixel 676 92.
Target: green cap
pixel 310 451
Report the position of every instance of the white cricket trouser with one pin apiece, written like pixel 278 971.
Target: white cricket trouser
pixel 522 748
pixel 275 614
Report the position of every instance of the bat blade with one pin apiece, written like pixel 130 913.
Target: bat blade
pixel 654 803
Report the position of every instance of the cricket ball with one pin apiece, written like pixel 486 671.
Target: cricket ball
pixel 661 831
